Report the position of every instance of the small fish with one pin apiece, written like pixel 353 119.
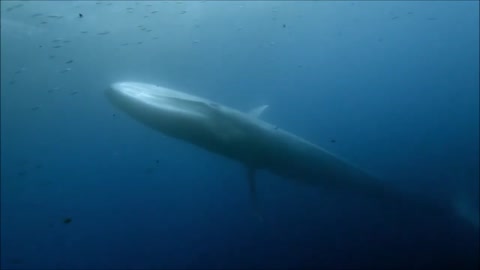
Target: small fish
pixel 104 33
pixel 54 16
pixel 35 108
pixel 14 7
pixel 140 42
pixel 69 62
pixel 124 44
pixel 114 115
pixel 394 18
pixel 432 19
pixel 22 69
pixel 67 220
pixel 333 141
pixel 66 41
pixel 51 56
pixel 43 22
pixel 83 32
pixel 74 93
pixel 36 15
pixel 16 261
pixel 65 70
pixel 80 15
pixel 57 46
pixel 153 12
pixel 183 12
pixel 284 25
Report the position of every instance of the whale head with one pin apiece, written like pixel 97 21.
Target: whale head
pixel 166 110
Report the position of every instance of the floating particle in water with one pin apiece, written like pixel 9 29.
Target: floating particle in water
pixel 80 15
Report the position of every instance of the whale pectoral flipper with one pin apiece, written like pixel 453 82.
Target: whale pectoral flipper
pixel 253 192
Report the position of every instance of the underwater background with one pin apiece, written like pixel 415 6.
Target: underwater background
pixel 392 86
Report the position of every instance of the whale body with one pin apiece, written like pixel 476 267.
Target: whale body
pixel 258 145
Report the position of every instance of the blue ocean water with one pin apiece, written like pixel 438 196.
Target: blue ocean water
pixel 392 86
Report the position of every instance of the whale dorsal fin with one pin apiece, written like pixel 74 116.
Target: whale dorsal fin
pixel 256 112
